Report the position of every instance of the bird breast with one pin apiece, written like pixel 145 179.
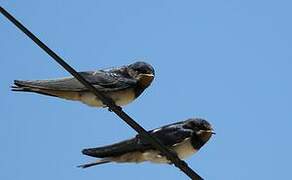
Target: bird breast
pixel 183 150
pixel 121 97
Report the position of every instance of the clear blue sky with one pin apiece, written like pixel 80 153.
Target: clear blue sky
pixel 226 61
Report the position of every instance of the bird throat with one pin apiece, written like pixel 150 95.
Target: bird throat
pixel 199 140
pixel 143 82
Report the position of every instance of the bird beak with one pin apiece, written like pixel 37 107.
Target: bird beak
pixel 211 131
pixel 147 75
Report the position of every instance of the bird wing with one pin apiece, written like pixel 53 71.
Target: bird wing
pixel 168 135
pixel 102 80
pixel 114 149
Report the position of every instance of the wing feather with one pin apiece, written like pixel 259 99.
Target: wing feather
pixel 168 135
pixel 103 81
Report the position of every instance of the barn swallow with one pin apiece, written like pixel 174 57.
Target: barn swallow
pixel 123 85
pixel 183 138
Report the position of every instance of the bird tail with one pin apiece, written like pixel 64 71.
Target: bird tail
pixel 100 161
pixel 29 86
pixel 21 86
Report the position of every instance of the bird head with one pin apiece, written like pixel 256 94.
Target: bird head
pixel 202 128
pixel 143 72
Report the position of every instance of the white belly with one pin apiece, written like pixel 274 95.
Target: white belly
pixel 183 150
pixel 121 98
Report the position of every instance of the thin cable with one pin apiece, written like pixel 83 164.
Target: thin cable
pixel 108 102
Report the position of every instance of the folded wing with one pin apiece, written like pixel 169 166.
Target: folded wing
pixel 103 81
pixel 167 135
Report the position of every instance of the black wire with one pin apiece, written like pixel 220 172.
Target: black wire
pixel 108 102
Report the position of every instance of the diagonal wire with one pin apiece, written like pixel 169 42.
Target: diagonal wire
pixel 108 102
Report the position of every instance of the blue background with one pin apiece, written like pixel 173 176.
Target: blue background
pixel 227 61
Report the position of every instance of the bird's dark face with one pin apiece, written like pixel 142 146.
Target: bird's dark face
pixel 201 128
pixel 142 71
pixel 142 68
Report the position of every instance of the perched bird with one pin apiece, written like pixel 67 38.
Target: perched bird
pixel 184 138
pixel 122 85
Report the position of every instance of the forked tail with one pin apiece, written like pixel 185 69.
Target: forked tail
pixel 98 162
